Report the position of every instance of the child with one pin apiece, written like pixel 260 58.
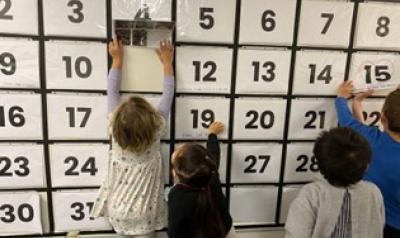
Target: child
pixel 196 205
pixel 385 166
pixel 132 194
pixel 339 206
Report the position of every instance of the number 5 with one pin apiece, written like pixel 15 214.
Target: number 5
pixel 206 16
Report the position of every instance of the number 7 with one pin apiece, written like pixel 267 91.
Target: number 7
pixel 329 17
pixel 266 159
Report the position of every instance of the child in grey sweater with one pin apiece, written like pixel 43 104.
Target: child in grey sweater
pixel 341 205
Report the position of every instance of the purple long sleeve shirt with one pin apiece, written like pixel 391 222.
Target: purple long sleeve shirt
pixel 114 97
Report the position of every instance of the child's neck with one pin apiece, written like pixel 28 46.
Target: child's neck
pixel 395 136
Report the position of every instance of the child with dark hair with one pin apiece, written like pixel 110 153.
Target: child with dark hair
pixel 197 207
pixel 385 165
pixel 341 205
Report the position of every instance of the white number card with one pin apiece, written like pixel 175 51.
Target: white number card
pixel 20 116
pixel 19 63
pixel 165 155
pixel 78 165
pixel 144 9
pixel 72 212
pixel 20 213
pixel 77 116
pixel 311 116
pixel 257 118
pixel 203 69
pixel 73 65
pixel 319 72
pixel 194 115
pixel 206 21
pixel 19 16
pixel 248 209
pixel 325 23
pixel 75 18
pixel 378 26
pixel 256 163
pixel 301 164
pixel 271 23
pixel 263 71
pixel 288 195
pixel 375 71
pixel 21 166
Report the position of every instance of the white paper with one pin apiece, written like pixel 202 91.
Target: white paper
pixel 85 18
pixel 206 21
pixel 311 116
pixel 263 71
pixel 19 63
pixel 22 116
pixel 325 23
pixel 78 165
pixel 203 69
pixel 191 112
pixel 256 163
pixel 319 72
pixel 77 117
pixel 72 212
pixel 27 166
pixel 74 65
pixel 257 118
pixel 158 10
pixel 270 23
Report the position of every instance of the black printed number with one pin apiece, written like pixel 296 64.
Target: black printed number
pixel 381 73
pixel 325 75
pixel 208 77
pixel 253 161
pixel 375 115
pixel 207 117
pixel 143 13
pixel 77 16
pixel 83 66
pixel 88 167
pixel 24 213
pixel 383 26
pixel 8 63
pixel 15 116
pixel 304 161
pixel 79 208
pixel 312 123
pixel 4 11
pixel 267 21
pixel 22 162
pixel 206 19
pixel 72 119
pixel 269 68
pixel 329 17
pixel 267 119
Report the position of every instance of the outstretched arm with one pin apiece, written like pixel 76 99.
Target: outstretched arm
pixel 212 143
pixel 166 55
pixel 357 105
pixel 114 76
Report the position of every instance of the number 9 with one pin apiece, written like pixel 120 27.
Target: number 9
pixel 7 60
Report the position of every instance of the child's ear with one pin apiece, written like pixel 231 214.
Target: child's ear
pixel 173 173
pixel 384 120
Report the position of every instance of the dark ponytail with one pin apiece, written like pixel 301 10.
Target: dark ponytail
pixel 194 168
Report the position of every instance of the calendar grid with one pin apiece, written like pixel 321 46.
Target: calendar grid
pixel 232 95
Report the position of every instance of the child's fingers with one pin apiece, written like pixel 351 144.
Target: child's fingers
pixel 158 52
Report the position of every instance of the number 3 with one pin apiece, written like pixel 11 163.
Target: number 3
pixel 78 17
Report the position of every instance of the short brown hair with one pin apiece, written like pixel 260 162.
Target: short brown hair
pixel 343 156
pixel 391 109
pixel 135 124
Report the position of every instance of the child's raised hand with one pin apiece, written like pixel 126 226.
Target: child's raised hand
pixel 345 89
pixel 362 95
pixel 216 128
pixel 115 50
pixel 166 52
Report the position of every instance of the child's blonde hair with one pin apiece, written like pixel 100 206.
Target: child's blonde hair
pixel 135 124
pixel 391 109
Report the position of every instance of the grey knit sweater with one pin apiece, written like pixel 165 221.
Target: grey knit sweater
pixel 314 213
